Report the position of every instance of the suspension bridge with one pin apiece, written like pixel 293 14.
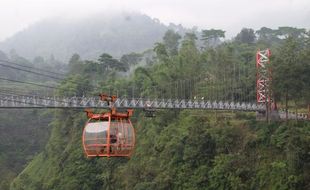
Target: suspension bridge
pixel 196 93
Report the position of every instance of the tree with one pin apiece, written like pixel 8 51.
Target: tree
pixel 171 41
pixel 291 31
pixel 288 77
pixel 212 37
pixel 225 173
pixel 190 37
pixel 189 62
pixel 161 51
pixel 76 64
pixel 305 69
pixel 75 85
pixel 108 62
pixel 131 59
pixel 246 35
pixel 74 59
pixel 267 35
pixel 38 60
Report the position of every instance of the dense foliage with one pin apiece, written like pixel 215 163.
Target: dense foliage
pixel 185 150
pixel 24 133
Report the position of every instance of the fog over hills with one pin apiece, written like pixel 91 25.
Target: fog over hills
pixel 116 34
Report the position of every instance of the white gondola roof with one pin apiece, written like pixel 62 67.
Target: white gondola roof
pixel 97 127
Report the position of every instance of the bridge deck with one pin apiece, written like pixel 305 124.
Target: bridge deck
pixel 22 102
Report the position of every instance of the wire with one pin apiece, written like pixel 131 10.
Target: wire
pixel 28 91
pixel 12 93
pixel 29 67
pixel 33 72
pixel 23 82
pixel 41 74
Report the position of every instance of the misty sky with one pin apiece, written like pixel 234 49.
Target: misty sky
pixel 230 15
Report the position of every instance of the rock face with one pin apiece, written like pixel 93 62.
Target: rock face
pixel 116 34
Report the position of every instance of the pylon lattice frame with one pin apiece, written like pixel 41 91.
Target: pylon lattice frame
pixel 263 77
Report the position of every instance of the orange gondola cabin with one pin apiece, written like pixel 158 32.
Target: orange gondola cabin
pixel 109 134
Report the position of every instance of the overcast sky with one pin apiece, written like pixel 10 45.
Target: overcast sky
pixel 230 15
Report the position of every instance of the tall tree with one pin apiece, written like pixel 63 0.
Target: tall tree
pixel 190 37
pixel 212 37
pixel 76 64
pixel 189 57
pixel 108 62
pixel 161 51
pixel 291 31
pixel 246 35
pixel 288 77
pixel 305 68
pixel 131 58
pixel 171 41
pixel 267 35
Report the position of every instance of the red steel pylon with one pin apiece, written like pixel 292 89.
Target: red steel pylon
pixel 263 78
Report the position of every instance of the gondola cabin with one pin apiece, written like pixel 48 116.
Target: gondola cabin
pixel 108 134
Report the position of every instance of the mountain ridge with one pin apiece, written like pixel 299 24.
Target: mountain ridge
pixel 116 34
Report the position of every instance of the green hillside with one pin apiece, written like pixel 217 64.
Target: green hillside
pixel 24 133
pixel 187 149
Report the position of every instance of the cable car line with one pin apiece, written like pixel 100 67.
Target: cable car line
pixel 41 74
pixel 155 88
pixel 11 90
pixel 36 73
pixel 31 83
pixel 33 72
pixel 22 93
pixel 29 67
pixel 12 93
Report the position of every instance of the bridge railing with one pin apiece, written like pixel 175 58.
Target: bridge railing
pixel 94 102
pixel 16 101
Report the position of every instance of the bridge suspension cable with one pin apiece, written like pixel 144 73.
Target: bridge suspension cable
pixel 33 72
pixel 185 88
pixel 30 67
pixel 31 83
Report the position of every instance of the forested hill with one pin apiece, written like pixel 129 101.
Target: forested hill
pixel 116 34
pixel 186 149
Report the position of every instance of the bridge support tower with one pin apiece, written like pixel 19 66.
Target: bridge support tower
pixel 264 93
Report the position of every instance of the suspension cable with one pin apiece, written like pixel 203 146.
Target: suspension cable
pixel 29 67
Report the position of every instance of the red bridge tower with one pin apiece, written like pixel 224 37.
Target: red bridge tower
pixel 263 81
